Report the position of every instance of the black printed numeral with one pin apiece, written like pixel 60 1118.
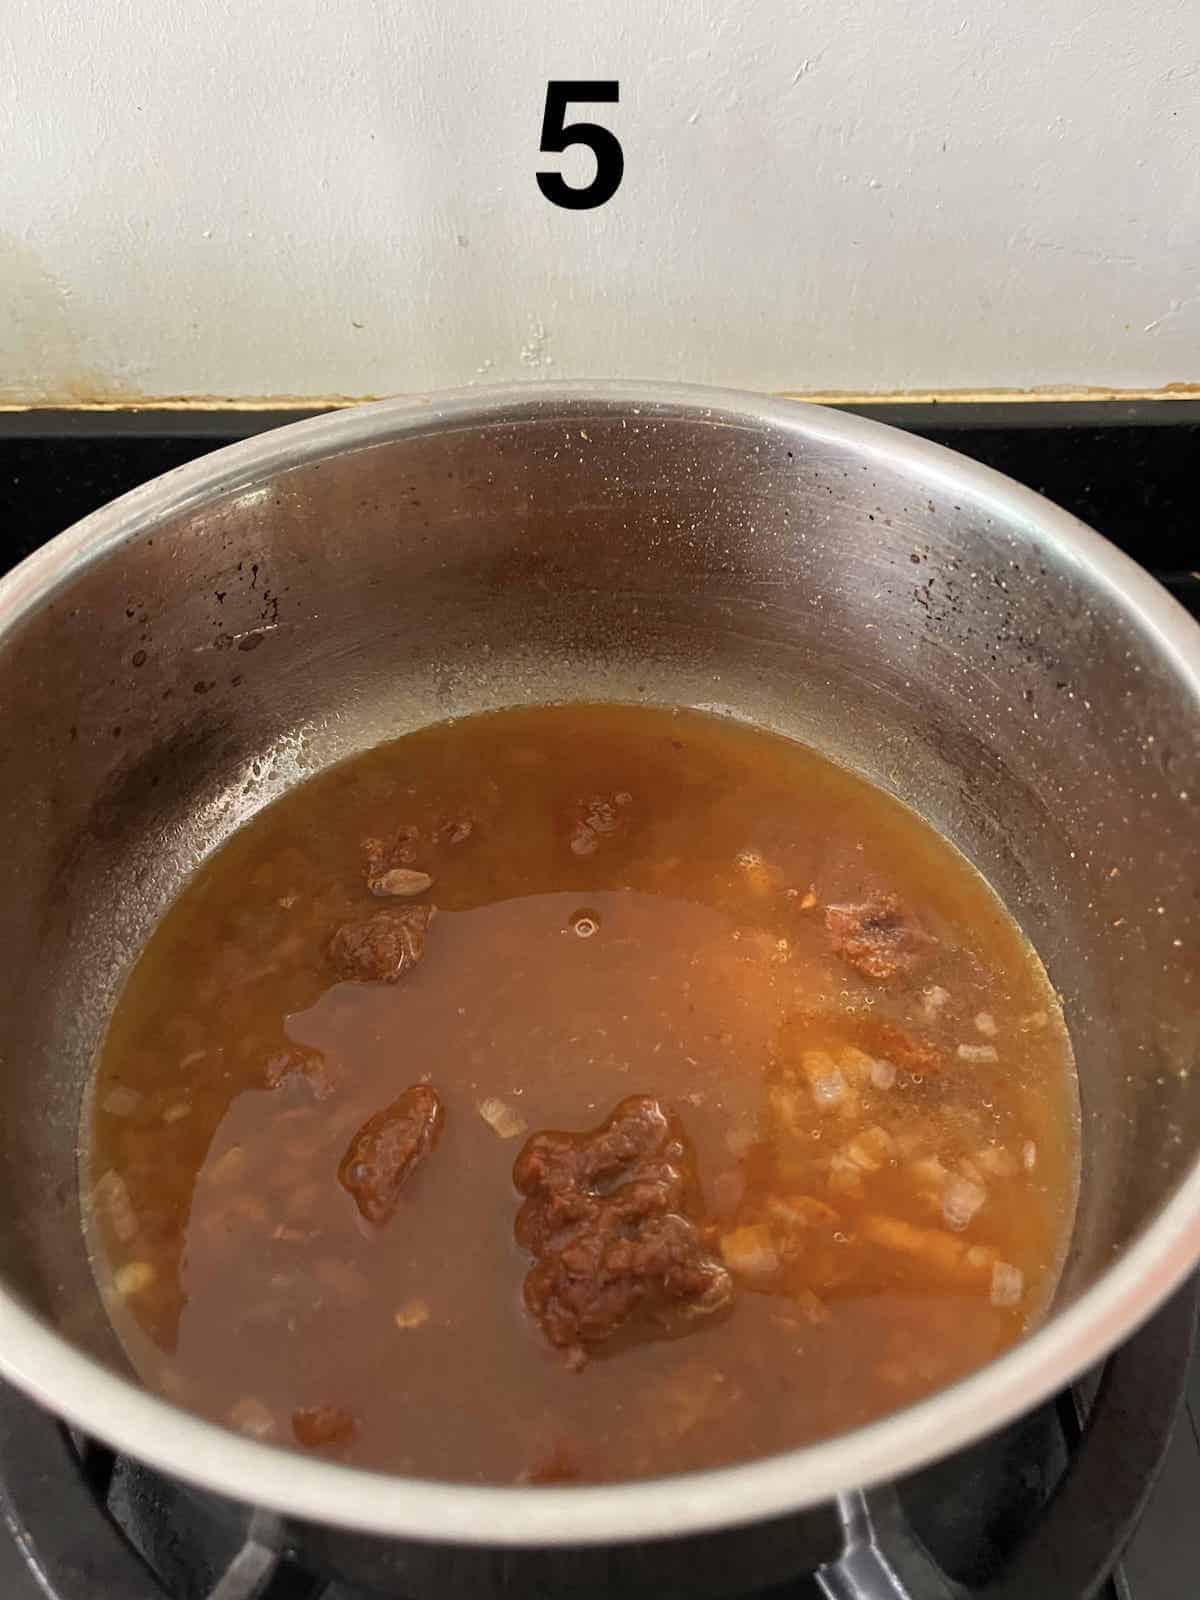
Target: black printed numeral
pixel 558 135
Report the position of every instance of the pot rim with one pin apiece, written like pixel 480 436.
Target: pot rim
pixel 48 1368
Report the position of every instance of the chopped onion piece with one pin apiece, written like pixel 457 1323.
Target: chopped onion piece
pixel 929 1169
pixel 251 1416
pixel 938 1250
pixel 111 1195
pixel 177 1112
pixel 997 1161
pixel 824 1079
pixel 801 1211
pixel 1008 1284
pixel 1029 1155
pixel 986 1023
pixel 870 1149
pixel 750 1252
pixel 120 1101
pixel 830 1091
pixel 883 1074
pixel 855 1063
pixel 960 1201
pixel 932 1001
pixel 133 1277
pixel 501 1118
pixel 227 1168
pixel 412 1315
pixel 978 1052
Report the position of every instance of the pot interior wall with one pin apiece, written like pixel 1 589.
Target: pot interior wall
pixel 909 628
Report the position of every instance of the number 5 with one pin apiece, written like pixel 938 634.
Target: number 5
pixel 557 135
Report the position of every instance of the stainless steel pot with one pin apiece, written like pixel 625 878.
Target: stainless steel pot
pixel 176 660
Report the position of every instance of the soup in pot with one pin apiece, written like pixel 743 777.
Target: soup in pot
pixel 578 1093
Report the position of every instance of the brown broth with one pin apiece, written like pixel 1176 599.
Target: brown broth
pixel 245 1284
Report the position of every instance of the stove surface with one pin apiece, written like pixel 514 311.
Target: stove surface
pixel 83 1525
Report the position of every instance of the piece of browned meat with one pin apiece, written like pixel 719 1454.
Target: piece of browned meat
pixel 385 1150
pixel 902 1048
pixel 606 1216
pixel 299 1064
pixel 454 830
pixel 383 947
pixel 878 938
pixel 323 1428
pixel 399 849
pixel 593 819
pixel 403 883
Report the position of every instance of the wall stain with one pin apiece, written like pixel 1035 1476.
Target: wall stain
pixel 41 342
pixel 85 393
pixel 42 365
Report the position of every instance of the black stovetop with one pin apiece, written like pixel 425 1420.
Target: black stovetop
pixel 80 1524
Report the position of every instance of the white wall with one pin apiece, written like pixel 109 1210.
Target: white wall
pixel 319 197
